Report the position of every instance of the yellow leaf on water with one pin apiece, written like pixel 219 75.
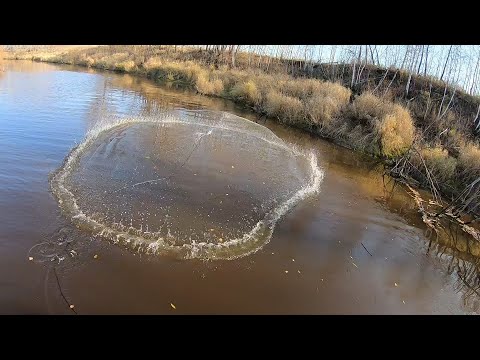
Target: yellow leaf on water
pixel 286 271
pixel 173 306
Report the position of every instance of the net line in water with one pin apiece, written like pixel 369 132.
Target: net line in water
pixel 156 242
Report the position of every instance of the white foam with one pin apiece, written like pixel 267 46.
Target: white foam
pixel 154 243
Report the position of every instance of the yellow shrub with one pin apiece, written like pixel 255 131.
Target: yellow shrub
pixel 368 106
pixel 469 158
pixel 439 163
pixel 327 102
pixel 396 132
pixel 301 88
pixel 285 108
pixel 246 91
pixel 89 62
pixel 265 83
pixel 334 90
pixel 125 66
pixel 208 87
pixel 230 77
pixel 152 63
pixel 391 122
pixel 321 110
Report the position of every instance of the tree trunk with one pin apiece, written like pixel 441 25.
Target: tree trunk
pixel 426 60
pixel 474 76
pixel 446 62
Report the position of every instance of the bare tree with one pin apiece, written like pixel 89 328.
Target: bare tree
pixel 446 62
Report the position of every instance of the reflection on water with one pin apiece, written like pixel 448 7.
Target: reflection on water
pixel 355 247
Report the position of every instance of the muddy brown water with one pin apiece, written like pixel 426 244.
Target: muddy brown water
pixel 352 248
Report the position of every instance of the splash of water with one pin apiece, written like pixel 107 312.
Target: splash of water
pixel 154 242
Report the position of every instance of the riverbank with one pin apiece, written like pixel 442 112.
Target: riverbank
pixel 426 142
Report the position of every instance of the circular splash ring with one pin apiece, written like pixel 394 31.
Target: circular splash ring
pixel 154 243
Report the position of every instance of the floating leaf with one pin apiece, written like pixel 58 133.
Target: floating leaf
pixel 173 306
pixel 95 256
pixel 30 258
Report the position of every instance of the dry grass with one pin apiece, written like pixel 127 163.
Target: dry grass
pixel 469 160
pixel 390 121
pixel 125 66
pixel 438 161
pixel 283 107
pixel 246 91
pixel 369 107
pixel 326 103
pixel 301 88
pixel 396 132
pixel 208 87
pixel 152 63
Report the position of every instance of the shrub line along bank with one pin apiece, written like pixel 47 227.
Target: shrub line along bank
pixel 373 122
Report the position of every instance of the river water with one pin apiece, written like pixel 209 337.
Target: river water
pixel 184 204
